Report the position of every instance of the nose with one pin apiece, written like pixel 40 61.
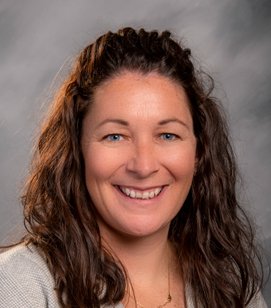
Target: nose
pixel 143 161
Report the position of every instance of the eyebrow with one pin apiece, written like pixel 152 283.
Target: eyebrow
pixel 174 120
pixel 117 121
pixel 125 123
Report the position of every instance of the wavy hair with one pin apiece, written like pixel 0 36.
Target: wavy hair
pixel 212 235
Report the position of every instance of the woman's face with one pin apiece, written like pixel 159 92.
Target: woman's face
pixel 139 151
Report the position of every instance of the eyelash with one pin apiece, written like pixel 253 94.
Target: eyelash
pixel 173 136
pixel 111 136
pixel 120 137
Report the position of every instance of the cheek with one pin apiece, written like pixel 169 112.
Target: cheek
pixel 180 162
pixel 100 163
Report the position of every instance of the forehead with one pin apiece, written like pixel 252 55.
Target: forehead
pixel 129 80
pixel 143 95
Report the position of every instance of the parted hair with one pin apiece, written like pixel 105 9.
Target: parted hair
pixel 212 235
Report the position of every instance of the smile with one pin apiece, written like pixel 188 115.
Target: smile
pixel 136 194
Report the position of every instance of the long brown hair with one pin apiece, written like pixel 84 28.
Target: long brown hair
pixel 212 235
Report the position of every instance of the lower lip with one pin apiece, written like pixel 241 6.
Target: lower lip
pixel 141 201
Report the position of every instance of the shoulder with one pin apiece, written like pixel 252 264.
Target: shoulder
pixel 257 302
pixel 25 280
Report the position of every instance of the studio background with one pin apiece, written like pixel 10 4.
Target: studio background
pixel 230 39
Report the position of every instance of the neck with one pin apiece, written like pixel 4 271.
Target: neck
pixel 144 258
pixel 151 266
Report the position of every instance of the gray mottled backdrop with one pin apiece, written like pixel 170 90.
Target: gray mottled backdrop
pixel 230 38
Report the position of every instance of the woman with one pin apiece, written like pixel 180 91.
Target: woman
pixel 131 198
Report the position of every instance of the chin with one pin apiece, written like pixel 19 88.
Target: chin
pixel 143 229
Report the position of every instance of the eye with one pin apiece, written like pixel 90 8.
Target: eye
pixel 113 137
pixel 168 136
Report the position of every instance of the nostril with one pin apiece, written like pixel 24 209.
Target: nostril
pixel 143 165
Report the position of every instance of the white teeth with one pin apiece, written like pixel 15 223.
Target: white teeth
pixel 145 195
pixel 157 191
pixel 135 194
pixel 132 194
pixel 138 195
pixel 151 195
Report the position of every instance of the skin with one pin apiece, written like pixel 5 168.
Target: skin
pixel 138 134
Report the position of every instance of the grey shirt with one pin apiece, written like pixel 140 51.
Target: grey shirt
pixel 26 282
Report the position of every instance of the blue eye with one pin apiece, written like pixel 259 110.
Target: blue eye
pixel 168 136
pixel 114 137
